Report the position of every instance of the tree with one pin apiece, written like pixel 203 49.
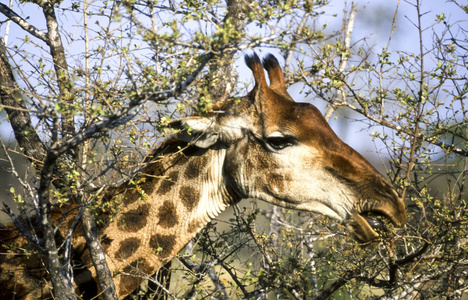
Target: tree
pixel 105 77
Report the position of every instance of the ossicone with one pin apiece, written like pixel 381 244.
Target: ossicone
pixel 253 62
pixel 275 74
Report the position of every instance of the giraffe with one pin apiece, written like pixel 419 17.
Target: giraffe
pixel 262 146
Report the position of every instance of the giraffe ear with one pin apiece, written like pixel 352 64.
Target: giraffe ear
pixel 204 132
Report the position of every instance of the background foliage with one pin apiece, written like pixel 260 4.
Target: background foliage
pixel 98 80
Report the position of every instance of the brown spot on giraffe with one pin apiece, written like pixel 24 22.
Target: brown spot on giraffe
pixel 181 161
pixel 131 196
pixel 135 189
pixel 106 242
pixel 163 244
pixel 135 219
pixel 194 168
pixel 194 226
pixel 167 183
pixel 132 275
pixel 85 256
pixel 167 215
pixel 189 196
pixel 150 177
pixel 128 247
pixel 150 184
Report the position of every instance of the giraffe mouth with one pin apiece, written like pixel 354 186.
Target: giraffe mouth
pixel 369 225
pixel 379 220
pixel 374 221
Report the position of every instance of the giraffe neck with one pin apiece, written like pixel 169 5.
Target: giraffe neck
pixel 162 211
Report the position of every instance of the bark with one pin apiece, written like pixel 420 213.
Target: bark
pixel 18 114
pixel 67 98
pixel 222 77
pixel 29 141
pixel 61 281
pixel 65 84
pixel 98 257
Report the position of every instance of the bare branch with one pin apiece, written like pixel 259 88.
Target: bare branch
pixel 344 57
pixel 23 24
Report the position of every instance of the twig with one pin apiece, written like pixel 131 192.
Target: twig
pixel 23 230
pixel 20 120
pixel 419 107
pixel 65 84
pixel 180 87
pixel 7 29
pixel 24 184
pixel 344 58
pixel 23 24
pixel 204 269
pixel 287 57
pixel 451 148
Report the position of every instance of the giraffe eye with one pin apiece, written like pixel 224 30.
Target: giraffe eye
pixel 279 143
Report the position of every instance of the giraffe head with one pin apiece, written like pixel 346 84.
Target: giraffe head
pixel 285 153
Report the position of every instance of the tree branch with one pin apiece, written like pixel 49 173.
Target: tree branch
pixel 327 292
pixel 222 77
pixel 18 115
pixel 344 57
pixel 411 257
pixel 177 89
pixel 10 14
pixel 65 84
pixel 381 121
pixel 202 270
pixel 61 281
